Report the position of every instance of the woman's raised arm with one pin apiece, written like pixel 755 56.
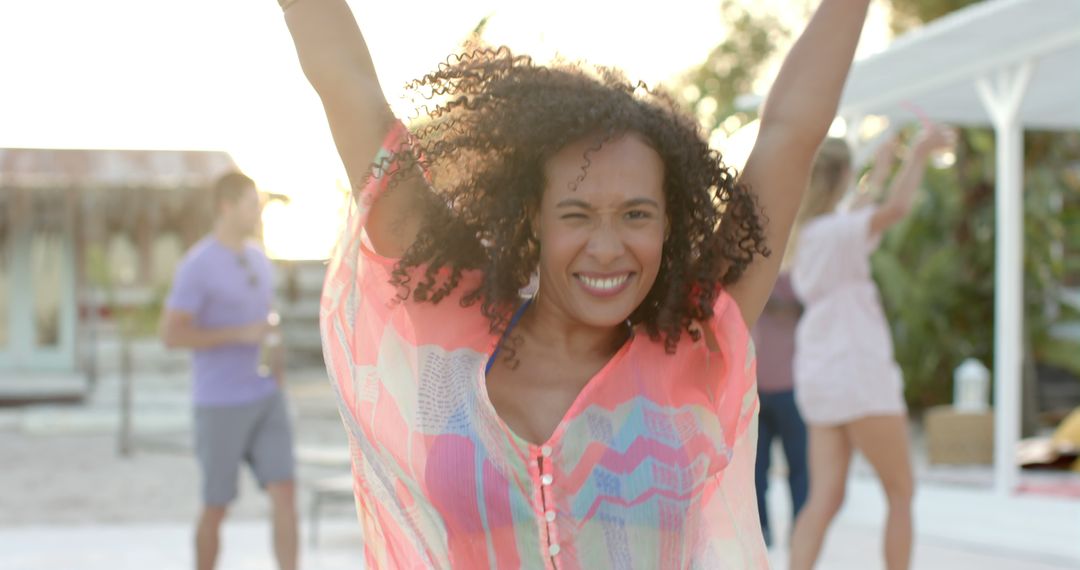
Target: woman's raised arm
pixel 336 61
pixel 795 119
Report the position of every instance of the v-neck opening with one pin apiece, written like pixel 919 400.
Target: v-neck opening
pixel 589 387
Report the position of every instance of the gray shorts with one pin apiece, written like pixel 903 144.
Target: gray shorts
pixel 257 433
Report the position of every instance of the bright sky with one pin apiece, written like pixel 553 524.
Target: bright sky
pixel 222 75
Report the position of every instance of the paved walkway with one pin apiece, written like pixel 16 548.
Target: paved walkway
pixel 852 544
pixel 167 546
pixel 956 528
pixel 104 512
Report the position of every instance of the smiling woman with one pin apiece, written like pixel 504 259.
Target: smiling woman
pixel 547 191
pixel 607 421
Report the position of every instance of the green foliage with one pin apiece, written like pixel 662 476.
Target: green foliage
pixel 912 13
pixel 936 269
pixel 712 88
pixel 935 274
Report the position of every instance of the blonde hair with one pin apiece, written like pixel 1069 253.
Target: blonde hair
pixel 828 178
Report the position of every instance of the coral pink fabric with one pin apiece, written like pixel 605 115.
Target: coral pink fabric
pixel 651 467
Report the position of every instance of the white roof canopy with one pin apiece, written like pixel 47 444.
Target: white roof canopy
pixel 935 68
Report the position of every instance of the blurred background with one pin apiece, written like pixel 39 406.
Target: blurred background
pixel 116 115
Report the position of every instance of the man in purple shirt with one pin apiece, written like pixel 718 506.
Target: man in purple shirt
pixel 219 308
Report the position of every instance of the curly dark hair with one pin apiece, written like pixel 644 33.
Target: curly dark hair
pixel 493 121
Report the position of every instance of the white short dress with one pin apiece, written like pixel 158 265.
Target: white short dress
pixel 844 365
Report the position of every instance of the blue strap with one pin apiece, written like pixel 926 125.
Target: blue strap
pixel 513 322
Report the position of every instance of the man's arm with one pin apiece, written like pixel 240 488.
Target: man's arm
pixel 795 119
pixel 178 330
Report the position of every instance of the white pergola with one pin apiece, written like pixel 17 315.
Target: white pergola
pixel 1012 65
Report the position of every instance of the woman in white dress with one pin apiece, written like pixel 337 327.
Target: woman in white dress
pixel 848 387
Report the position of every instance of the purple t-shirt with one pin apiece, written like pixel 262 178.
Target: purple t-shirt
pixel 222 288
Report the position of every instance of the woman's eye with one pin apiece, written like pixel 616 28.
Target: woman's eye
pixel 573 216
pixel 638 215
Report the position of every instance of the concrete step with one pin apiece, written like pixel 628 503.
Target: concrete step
pixel 18 387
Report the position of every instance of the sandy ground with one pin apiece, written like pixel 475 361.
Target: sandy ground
pixel 77 476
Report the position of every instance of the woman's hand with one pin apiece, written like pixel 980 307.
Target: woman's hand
pixel 886 150
pixel 934 138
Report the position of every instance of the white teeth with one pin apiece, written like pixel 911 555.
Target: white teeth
pixel 606 284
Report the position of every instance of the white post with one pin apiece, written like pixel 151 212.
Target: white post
pixel 1002 98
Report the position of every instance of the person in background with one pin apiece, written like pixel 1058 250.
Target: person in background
pixel 848 387
pixel 220 309
pixel 774 339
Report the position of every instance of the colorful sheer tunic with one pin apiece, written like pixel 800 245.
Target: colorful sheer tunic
pixel 651 466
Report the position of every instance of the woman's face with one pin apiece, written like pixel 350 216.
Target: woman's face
pixel 601 239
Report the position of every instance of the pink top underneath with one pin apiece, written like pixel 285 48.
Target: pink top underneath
pixel 651 467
